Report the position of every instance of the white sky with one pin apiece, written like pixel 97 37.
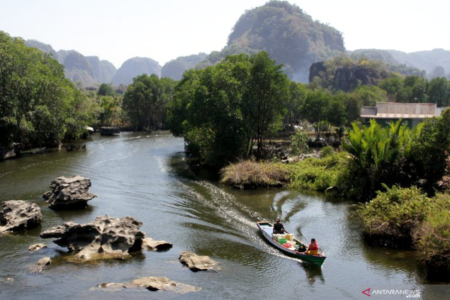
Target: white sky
pixel 165 29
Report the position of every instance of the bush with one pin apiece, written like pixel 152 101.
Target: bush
pixel 394 215
pixel 326 151
pixel 299 142
pixel 317 174
pixel 251 174
pixel 433 237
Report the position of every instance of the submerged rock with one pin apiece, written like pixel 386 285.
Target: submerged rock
pixel 103 238
pixel 36 247
pixel 19 215
pixel 196 262
pixel 40 265
pixel 156 245
pixel 153 284
pixel 69 193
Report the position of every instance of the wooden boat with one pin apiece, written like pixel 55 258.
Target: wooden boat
pixel 267 229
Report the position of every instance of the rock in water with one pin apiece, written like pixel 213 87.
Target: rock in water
pixel 156 245
pixel 104 238
pixel 36 247
pixel 69 193
pixel 19 215
pixel 40 265
pixel 153 284
pixel 196 262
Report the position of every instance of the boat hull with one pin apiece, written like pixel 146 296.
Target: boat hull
pixel 313 259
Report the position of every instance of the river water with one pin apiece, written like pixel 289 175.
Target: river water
pixel 146 176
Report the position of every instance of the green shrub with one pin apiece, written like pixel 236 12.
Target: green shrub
pixel 433 237
pixel 327 150
pixel 299 142
pixel 395 214
pixel 317 174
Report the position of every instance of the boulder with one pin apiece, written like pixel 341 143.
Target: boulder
pixel 36 247
pixel 196 262
pixel 40 265
pixel 69 193
pixel 103 238
pixel 153 284
pixel 19 215
pixel 156 245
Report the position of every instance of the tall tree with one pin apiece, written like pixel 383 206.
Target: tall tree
pixel 145 100
pixel 265 96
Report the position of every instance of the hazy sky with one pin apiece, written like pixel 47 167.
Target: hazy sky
pixel 165 29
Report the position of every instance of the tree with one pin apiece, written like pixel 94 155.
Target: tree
pixel 438 91
pixel 430 149
pixel 105 90
pixel 295 100
pixel 316 109
pixel 265 95
pixel 38 105
pixel 145 101
pixel 221 110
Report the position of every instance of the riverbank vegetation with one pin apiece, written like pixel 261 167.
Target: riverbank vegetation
pixel 407 218
pixel 251 174
pixel 38 105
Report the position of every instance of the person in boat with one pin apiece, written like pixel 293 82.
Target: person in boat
pixel 278 227
pixel 313 248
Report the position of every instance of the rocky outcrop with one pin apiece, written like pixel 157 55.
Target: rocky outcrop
pixel 196 262
pixel 69 193
pixel 19 215
pixel 10 152
pixel 134 67
pixel 152 284
pixel 104 238
pixel 156 245
pixel 36 247
pixel 346 78
pixel 41 264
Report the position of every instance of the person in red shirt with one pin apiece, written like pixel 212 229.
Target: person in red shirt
pixel 313 248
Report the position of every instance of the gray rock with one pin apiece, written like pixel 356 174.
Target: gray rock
pixel 156 245
pixel 104 238
pixel 69 193
pixel 41 264
pixel 19 215
pixel 153 284
pixel 36 247
pixel 196 262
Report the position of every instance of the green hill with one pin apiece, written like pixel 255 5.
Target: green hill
pixel 288 34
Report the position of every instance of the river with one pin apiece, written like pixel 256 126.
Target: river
pixel 146 176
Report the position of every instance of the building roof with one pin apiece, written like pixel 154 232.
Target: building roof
pixel 397 116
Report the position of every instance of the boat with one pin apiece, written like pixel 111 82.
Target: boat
pixel 266 229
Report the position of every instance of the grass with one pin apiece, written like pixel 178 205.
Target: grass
pixel 250 174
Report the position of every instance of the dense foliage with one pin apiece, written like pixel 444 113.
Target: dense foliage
pixel 222 110
pixel 145 101
pixel 318 174
pixel 405 217
pixel 395 214
pixel 38 105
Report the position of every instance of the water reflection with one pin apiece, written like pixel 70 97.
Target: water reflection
pixel 313 273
